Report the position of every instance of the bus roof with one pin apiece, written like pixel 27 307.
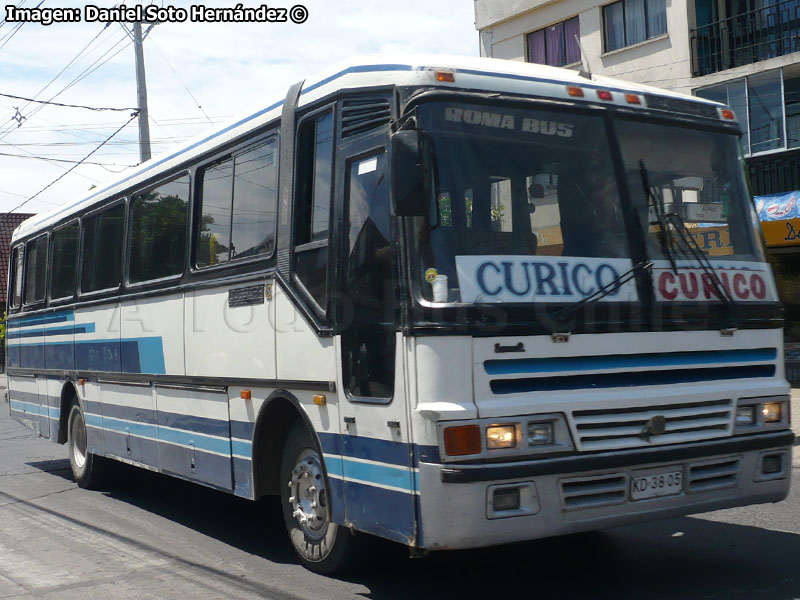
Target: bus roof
pixel 486 74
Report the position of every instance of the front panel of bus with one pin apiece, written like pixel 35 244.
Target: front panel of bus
pixel 596 333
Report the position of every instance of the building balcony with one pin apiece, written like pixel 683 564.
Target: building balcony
pixel 746 38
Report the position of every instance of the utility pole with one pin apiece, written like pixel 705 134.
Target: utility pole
pixel 141 89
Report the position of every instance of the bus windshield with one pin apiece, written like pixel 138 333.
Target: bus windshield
pixel 527 206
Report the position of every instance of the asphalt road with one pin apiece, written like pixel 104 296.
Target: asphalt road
pixel 150 536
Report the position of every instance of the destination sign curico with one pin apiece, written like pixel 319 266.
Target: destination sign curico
pixel 540 278
pixel 744 281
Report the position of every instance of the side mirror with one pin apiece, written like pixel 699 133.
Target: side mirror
pixel 412 180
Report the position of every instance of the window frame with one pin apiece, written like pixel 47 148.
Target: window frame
pixel 196 197
pixel 563 39
pixel 33 240
pixel 129 230
pixel 76 276
pixel 79 285
pixel 647 37
pixel 13 268
pixel 322 312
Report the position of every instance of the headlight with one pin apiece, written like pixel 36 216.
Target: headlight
pixel 746 415
pixel 540 434
pixel 772 412
pixel 501 436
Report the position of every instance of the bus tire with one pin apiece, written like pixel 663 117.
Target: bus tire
pixel 322 546
pixel 88 469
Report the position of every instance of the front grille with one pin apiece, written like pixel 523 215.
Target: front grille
pixel 713 475
pixel 608 429
pixel 590 492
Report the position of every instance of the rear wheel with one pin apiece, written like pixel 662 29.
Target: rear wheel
pixel 323 546
pixel 88 469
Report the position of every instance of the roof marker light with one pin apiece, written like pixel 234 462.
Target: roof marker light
pixel 448 76
pixel 727 113
pixel 575 91
pixel 604 95
pixel 632 99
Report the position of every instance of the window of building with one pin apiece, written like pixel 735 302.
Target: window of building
pixel 629 22
pixel 158 231
pixel 556 45
pixel 734 94
pixel 767 106
pixel 35 269
pixel 65 261
pixel 103 233
pixel 238 203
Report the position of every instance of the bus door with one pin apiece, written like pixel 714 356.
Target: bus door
pixel 377 464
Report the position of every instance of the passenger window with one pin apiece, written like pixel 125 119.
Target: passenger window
pixel 35 269
pixel 313 205
pixel 158 231
pixel 16 277
pixel 65 261
pixel 239 196
pixel 103 233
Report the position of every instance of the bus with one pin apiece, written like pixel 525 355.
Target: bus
pixel 450 302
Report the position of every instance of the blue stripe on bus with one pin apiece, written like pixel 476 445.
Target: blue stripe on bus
pixel 628 379
pixel 200 441
pixel 127 355
pixel 367 473
pixel 242 448
pixel 56 317
pixel 627 361
pixel 380 511
pixel 33 408
pixel 354 69
pixel 386 451
pixel 82 328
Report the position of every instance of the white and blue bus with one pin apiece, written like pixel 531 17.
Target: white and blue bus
pixel 451 302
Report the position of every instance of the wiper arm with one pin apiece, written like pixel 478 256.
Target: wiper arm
pixel 609 288
pixel 701 258
pixel 658 208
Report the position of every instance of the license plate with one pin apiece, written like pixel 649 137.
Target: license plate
pixel 656 483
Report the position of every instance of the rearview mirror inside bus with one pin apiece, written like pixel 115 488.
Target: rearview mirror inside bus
pixel 411 174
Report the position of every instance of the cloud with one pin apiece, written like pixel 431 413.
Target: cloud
pixel 227 67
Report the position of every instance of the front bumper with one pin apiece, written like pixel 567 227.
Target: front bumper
pixel 588 492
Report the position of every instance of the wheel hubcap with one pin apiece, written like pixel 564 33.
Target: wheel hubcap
pixel 307 494
pixel 78 434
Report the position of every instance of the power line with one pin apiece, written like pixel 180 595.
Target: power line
pixel 64 160
pixel 97 108
pixel 73 166
pixel 14 31
pixel 178 77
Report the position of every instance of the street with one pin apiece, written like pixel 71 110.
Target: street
pixel 150 536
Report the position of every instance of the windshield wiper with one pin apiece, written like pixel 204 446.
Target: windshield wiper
pixel 663 219
pixel 658 209
pixel 609 288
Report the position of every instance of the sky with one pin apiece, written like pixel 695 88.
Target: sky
pixel 198 76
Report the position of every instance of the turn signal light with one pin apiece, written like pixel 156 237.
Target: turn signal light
pixel 727 113
pixel 632 99
pixel 445 76
pixel 575 91
pixel 772 412
pixel 246 395
pixel 605 95
pixel 462 439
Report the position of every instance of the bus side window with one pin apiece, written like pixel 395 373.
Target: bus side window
pixel 35 270
pixel 16 277
pixel 313 206
pixel 103 233
pixel 65 261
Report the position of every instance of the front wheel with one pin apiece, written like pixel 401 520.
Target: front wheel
pixel 88 469
pixel 323 546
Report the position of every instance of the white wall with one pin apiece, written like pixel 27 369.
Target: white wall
pixel 664 61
